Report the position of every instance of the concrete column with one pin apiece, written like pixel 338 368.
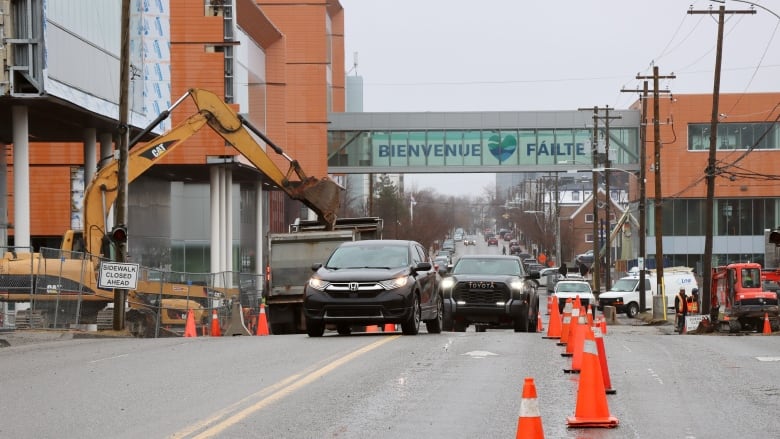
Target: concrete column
pixel 21 177
pixel 90 151
pixel 228 246
pixel 106 148
pixel 222 219
pixel 259 230
pixel 214 217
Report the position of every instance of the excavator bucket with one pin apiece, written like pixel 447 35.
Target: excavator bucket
pixel 321 196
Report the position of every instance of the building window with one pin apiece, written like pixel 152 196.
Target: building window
pixel 731 136
pixel 589 237
pixel 589 219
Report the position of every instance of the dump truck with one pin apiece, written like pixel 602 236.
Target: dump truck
pixel 72 273
pixel 290 259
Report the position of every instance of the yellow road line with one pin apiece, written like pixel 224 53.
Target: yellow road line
pixel 280 390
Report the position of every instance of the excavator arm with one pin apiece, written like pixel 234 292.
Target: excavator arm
pixel 320 195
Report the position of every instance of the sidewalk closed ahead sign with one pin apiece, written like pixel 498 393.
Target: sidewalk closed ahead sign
pixel 121 275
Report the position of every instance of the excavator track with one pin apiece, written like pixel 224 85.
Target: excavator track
pixel 141 323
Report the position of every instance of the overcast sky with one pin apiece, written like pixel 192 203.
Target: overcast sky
pixel 513 55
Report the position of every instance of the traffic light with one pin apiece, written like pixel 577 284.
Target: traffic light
pixel 774 237
pixel 119 234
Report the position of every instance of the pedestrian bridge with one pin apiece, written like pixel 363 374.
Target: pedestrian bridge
pixel 474 142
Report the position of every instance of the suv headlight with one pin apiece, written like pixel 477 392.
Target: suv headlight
pixel 318 284
pixel 447 283
pixel 394 283
pixel 517 285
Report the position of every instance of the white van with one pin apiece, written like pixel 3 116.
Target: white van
pixel 624 294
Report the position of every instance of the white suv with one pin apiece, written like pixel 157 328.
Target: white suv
pixel 570 289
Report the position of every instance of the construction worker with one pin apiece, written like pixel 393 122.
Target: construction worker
pixel 681 308
pixel 693 302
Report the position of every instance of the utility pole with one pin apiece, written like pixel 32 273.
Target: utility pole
pixel 710 170
pixel 558 256
pixel 658 208
pixel 608 231
pixel 643 191
pixel 595 268
pixel 599 158
pixel 123 146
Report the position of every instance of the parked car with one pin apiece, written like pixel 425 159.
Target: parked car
pixel 584 258
pixel 548 277
pixel 442 263
pixel 374 282
pixel 448 244
pixel 445 253
pixel 489 290
pixel 569 289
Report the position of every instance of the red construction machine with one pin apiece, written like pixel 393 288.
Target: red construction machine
pixel 739 301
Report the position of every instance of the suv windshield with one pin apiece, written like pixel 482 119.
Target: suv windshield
pixel 379 256
pixel 488 266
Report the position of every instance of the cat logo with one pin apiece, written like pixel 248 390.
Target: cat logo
pixel 157 151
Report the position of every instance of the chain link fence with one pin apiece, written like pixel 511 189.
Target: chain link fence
pixel 54 289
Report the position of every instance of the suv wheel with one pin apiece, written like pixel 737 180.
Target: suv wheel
pixel 412 325
pixel 344 329
pixel 447 323
pixel 434 326
pixel 521 323
pixel 315 328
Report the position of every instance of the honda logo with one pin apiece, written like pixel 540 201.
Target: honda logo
pixel 354 286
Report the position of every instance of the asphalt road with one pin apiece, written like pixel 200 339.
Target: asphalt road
pixel 449 385
pixel 379 385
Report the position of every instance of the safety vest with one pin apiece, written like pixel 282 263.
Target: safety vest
pixel 693 306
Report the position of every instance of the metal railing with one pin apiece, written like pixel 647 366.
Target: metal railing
pixel 54 289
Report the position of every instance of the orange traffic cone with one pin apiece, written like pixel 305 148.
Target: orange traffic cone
pixel 529 423
pixel 603 325
pixel 589 313
pixel 215 329
pixel 389 327
pixel 603 361
pixel 767 326
pixel 550 299
pixel 262 322
pixel 372 328
pixel 565 323
pixel 567 326
pixel 592 409
pixel 577 342
pixel 576 334
pixel 554 325
pixel 189 327
pixel 539 326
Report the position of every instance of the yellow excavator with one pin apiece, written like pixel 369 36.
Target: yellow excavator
pixel 49 280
